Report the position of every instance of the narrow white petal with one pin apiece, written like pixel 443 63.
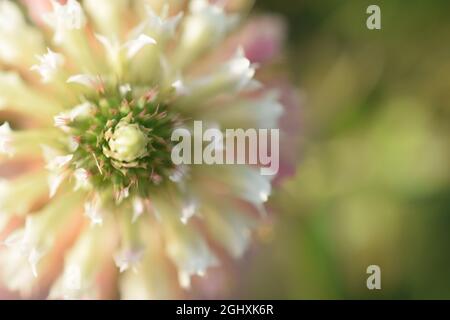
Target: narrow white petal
pixel 55 180
pixel 184 278
pixel 206 25
pixel 63 119
pixel 81 111
pixel 49 65
pixel 59 162
pixel 34 258
pixel 111 47
pixel 138 209
pixel 64 18
pixel 180 88
pixel 190 253
pixel 83 265
pixel 161 25
pixel 188 211
pixel 134 46
pixel 87 80
pixel 94 210
pixel 128 259
pixel 72 143
pixel 81 179
pixel 125 89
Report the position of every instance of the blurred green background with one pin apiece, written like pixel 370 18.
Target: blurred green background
pixel 373 177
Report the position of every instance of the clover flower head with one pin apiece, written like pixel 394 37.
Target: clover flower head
pixel 105 84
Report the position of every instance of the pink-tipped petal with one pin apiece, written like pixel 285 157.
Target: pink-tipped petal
pixel 263 38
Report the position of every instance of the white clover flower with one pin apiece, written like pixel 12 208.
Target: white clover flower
pixel 109 98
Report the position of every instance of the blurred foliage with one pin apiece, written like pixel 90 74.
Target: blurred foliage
pixel 373 177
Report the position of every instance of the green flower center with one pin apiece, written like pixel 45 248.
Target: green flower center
pixel 125 144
